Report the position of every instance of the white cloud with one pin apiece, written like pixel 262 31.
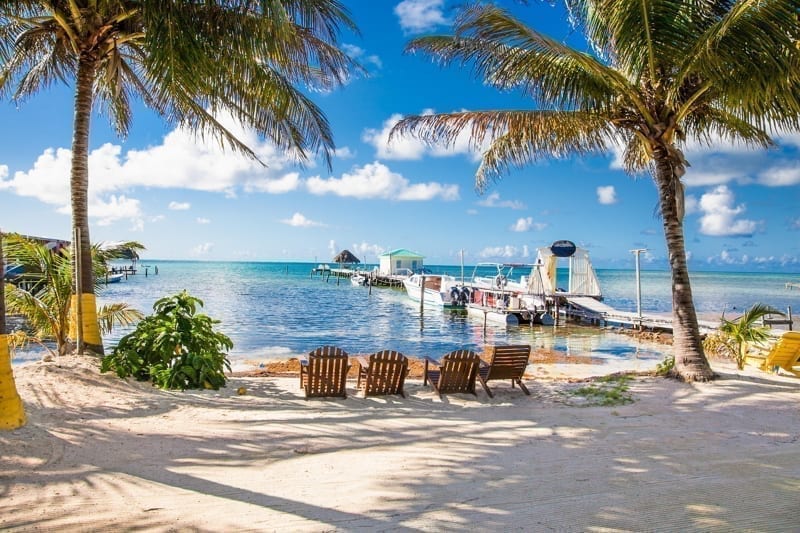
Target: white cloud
pixel 368 252
pixel 286 183
pixel 360 55
pixel 719 217
pixel 375 180
pixel 417 16
pixel 493 200
pixel 179 206
pixel 203 249
pixel 332 248
pixel 181 161
pixel 785 175
pixel 607 195
pixel 503 252
pixel 527 224
pixel 299 220
pixel 203 220
pixel 408 147
pixel 344 153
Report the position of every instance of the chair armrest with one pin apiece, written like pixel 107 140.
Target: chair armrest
pixel 363 362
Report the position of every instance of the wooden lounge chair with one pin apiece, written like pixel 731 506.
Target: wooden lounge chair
pixel 785 354
pixel 324 373
pixel 383 373
pixel 505 362
pixel 455 372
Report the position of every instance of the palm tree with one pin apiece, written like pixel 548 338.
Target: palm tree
pixel 746 329
pixel 12 412
pixel 184 60
pixel 665 71
pixel 44 297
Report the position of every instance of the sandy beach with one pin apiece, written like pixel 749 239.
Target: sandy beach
pixel 99 453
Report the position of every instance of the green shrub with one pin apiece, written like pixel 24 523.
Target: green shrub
pixel 664 368
pixel 175 348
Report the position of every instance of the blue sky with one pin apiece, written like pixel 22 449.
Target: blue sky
pixel 186 199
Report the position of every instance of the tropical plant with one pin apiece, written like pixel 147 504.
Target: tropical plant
pixel 746 329
pixel 12 412
pixel 175 347
pixel 664 71
pixel 184 60
pixel 43 296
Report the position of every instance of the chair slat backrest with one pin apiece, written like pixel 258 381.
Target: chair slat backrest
pixel 457 372
pixel 785 353
pixel 327 372
pixel 386 373
pixel 508 361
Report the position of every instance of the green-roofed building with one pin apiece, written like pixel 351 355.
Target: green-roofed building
pixel 400 261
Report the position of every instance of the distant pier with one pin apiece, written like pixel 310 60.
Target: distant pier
pixel 373 277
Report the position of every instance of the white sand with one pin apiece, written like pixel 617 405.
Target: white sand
pixel 99 453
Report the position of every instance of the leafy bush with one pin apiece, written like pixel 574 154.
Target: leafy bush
pixel 175 348
pixel 665 367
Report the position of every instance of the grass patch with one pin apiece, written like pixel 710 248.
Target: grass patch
pixel 606 391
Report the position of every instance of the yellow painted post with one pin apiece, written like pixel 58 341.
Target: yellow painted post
pixel 12 412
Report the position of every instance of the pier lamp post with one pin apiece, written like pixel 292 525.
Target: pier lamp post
pixel 638 252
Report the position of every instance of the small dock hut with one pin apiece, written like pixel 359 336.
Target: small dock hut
pixel 397 261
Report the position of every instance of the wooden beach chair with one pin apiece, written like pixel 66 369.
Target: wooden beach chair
pixel 505 362
pixel 785 354
pixel 455 372
pixel 324 373
pixel 383 373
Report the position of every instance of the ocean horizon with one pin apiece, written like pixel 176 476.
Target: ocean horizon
pixel 277 310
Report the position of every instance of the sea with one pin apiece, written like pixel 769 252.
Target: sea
pixel 274 310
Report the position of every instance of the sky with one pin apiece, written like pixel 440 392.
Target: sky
pixel 184 198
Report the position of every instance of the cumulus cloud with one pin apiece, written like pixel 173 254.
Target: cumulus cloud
pixel 181 161
pixel 493 200
pixel 376 180
pixel 202 220
pixel 179 206
pixel 607 195
pixel 298 220
pixel 407 147
pixel 527 224
pixel 784 175
pixel 417 16
pixel 368 252
pixel 501 252
pixel 719 218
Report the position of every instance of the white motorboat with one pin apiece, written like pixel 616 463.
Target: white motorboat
pixel 439 289
pixel 359 279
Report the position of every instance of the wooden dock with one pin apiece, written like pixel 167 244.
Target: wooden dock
pixel 589 309
pixel 374 278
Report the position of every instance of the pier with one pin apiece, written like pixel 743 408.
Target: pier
pixel 374 278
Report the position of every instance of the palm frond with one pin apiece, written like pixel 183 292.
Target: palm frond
pixel 116 315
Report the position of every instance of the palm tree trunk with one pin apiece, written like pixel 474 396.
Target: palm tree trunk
pixel 12 413
pixel 84 304
pixel 691 363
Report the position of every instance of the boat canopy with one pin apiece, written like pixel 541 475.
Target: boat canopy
pixel 582 277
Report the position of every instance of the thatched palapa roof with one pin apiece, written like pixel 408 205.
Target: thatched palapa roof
pixel 345 257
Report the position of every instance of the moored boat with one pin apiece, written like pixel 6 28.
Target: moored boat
pixel 439 289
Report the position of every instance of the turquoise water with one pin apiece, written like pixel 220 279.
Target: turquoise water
pixel 277 310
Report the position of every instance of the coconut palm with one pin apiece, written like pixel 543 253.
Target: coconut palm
pixel 746 329
pixel 664 71
pixel 185 61
pixel 44 297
